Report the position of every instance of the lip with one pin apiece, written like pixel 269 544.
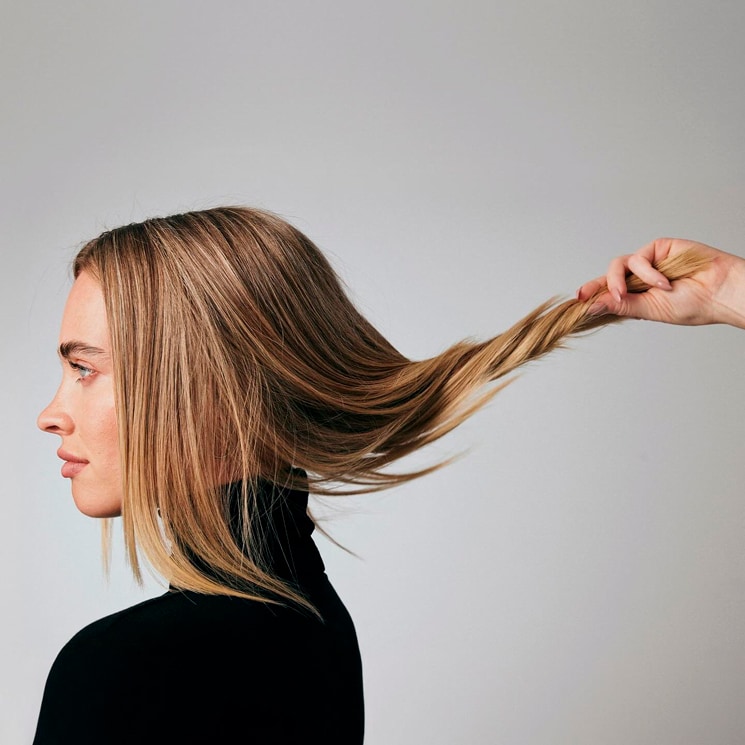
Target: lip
pixel 73 465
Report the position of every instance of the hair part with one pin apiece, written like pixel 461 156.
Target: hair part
pixel 239 357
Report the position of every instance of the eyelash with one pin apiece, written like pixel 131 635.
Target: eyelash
pixel 84 372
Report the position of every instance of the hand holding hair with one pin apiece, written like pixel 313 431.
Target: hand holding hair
pixel 711 292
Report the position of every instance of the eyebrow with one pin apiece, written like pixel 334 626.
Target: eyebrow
pixel 70 348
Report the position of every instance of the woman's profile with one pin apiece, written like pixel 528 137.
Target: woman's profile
pixel 215 373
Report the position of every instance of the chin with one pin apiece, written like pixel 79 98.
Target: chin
pixel 97 504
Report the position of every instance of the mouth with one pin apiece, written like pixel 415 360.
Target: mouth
pixel 72 465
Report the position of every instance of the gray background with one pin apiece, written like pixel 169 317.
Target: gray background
pixel 578 576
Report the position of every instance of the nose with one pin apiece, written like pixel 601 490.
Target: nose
pixel 54 419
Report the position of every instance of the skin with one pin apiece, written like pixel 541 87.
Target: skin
pixel 83 410
pixel 715 294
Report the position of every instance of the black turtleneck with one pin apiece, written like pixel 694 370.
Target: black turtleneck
pixel 191 668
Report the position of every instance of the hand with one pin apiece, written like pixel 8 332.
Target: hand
pixel 714 294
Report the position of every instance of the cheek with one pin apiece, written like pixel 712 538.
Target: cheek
pixel 110 438
pixel 97 491
pixel 103 434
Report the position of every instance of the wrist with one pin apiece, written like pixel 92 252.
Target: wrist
pixel 729 302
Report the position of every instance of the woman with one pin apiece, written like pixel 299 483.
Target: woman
pixel 214 372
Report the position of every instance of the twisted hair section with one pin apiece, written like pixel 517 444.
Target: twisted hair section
pixel 239 357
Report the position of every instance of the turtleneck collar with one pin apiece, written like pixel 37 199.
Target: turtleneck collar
pixel 286 528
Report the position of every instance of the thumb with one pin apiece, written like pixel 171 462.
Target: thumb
pixel 645 306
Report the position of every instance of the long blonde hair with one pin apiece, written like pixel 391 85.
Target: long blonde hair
pixel 239 357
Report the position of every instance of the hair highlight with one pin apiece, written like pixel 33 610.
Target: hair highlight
pixel 239 357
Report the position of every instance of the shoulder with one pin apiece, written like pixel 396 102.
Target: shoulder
pixel 201 659
pixel 179 640
pixel 176 653
pixel 170 629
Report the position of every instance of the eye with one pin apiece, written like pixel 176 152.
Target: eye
pixel 83 371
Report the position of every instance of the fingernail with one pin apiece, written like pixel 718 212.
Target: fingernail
pixel 576 294
pixel 598 308
pixel 664 285
pixel 617 295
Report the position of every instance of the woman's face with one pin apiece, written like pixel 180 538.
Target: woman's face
pixel 82 412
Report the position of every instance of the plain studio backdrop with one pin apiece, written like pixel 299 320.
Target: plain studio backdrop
pixel 578 576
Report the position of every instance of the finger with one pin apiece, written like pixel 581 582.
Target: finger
pixel 642 268
pixel 657 250
pixel 616 277
pixel 588 289
pixel 599 306
pixel 639 263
